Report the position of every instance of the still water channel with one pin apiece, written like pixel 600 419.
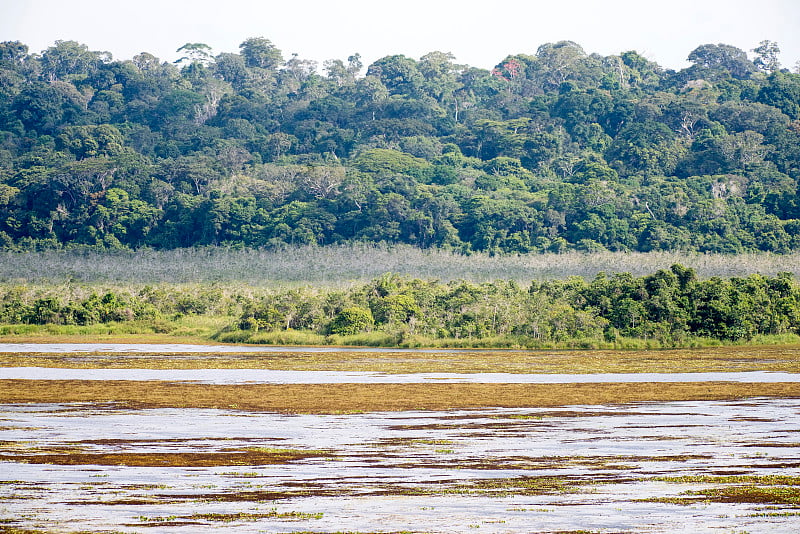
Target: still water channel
pixel 269 376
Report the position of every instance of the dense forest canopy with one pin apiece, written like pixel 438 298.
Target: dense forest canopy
pixel 560 149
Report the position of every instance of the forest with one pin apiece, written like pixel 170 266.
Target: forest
pixel 550 151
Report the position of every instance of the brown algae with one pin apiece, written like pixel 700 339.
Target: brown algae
pixel 710 359
pixel 165 459
pixel 349 398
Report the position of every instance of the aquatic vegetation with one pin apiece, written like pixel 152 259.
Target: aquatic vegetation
pixel 163 459
pixel 735 494
pixel 228 518
pixel 709 359
pixel 761 480
pixel 411 457
pixel 515 468
pixel 514 486
pixel 751 489
pixel 350 398
pixel 751 494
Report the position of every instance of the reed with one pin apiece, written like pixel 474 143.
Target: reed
pixel 343 265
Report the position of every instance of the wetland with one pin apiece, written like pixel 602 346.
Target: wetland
pixel 364 441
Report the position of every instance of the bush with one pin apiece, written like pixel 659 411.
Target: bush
pixel 351 321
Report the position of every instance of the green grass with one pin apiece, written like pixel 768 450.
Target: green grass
pixel 217 329
pixel 403 340
pixel 195 328
pixel 283 337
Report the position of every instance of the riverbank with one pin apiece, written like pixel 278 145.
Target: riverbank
pixel 207 330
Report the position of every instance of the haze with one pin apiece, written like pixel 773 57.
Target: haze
pixel 478 34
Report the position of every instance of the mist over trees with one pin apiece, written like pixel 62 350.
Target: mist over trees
pixel 556 150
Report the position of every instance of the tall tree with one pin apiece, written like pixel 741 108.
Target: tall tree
pixel 715 61
pixel 68 59
pixel 767 56
pixel 261 53
pixel 195 53
pixel 398 73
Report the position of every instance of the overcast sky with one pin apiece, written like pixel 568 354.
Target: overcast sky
pixel 478 33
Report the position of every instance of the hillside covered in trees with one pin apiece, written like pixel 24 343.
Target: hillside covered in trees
pixel 557 150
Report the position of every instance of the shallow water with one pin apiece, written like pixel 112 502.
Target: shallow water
pixel 413 471
pixel 268 376
pixel 489 470
pixel 58 348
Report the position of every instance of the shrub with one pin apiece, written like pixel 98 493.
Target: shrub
pixel 351 321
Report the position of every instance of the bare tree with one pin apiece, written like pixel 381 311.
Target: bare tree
pixel 323 181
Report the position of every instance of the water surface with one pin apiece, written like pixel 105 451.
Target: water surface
pixel 408 471
pixel 57 348
pixel 268 376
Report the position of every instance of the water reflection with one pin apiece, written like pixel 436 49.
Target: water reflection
pixel 269 376
pixel 57 348
pixel 414 471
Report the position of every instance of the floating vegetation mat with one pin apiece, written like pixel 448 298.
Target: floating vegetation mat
pixel 118 464
pixel 135 356
pixel 349 398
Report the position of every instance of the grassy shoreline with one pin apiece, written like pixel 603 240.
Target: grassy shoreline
pixel 206 330
pixel 668 308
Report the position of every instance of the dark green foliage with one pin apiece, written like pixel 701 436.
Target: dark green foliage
pixel 672 304
pixel 669 307
pixel 550 151
pixel 94 309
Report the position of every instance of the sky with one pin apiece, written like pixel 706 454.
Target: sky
pixel 478 33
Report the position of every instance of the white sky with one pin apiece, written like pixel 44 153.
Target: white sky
pixel 479 33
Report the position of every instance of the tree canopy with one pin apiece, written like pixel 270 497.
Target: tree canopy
pixel 559 149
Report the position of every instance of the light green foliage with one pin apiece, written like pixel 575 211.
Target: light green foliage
pixel 352 320
pixel 384 161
